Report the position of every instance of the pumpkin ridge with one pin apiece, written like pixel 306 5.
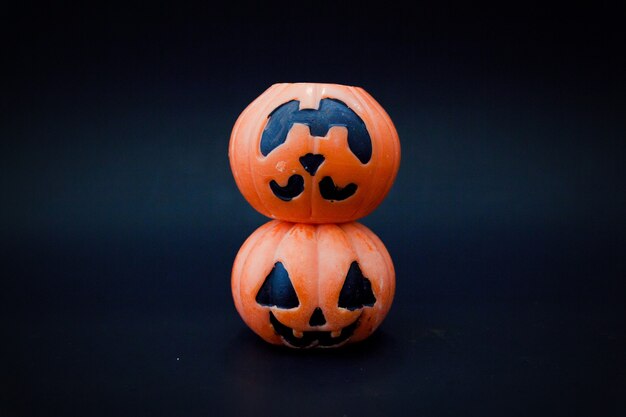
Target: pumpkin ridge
pixel 395 143
pixel 358 208
pixel 256 189
pixel 278 247
pixel 317 262
pixel 375 240
pixel 254 246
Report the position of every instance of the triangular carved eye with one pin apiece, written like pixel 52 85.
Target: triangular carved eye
pixel 277 289
pixel 357 290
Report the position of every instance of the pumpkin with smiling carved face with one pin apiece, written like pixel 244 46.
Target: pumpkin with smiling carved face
pixel 314 153
pixel 307 285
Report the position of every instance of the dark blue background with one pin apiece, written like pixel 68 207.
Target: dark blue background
pixel 120 218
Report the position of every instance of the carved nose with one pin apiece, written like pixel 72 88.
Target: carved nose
pixel 311 162
pixel 317 318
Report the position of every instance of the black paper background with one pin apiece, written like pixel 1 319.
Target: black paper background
pixel 120 218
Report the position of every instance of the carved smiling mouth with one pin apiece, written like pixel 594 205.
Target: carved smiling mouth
pixel 328 189
pixel 311 339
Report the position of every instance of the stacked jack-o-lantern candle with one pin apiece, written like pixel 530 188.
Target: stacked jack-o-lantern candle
pixel 314 157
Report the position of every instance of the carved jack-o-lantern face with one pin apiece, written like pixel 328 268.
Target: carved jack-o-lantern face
pixel 307 285
pixel 314 153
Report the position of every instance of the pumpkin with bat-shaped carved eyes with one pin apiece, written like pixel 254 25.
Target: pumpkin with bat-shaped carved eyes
pixel 314 153
pixel 307 285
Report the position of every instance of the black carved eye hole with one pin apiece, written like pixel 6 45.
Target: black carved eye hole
pixel 277 289
pixel 293 188
pixel 357 290
pixel 332 192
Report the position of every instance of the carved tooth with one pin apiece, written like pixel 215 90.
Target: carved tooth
pixel 335 333
pixel 297 333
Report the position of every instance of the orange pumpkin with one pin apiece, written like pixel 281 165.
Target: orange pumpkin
pixel 314 153
pixel 306 285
